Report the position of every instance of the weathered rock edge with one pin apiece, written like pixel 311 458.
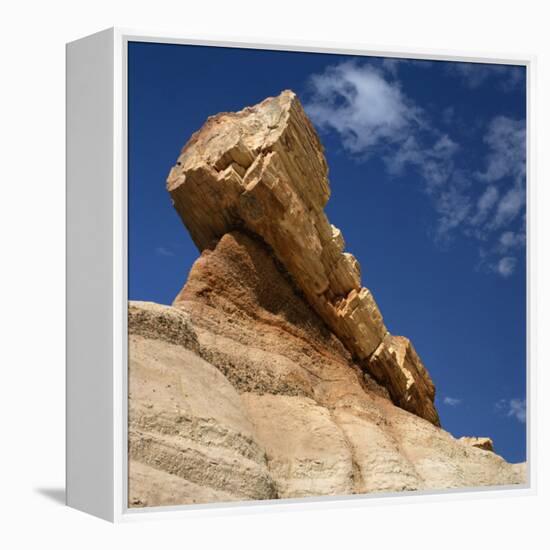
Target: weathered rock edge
pixel 263 169
pixel 199 433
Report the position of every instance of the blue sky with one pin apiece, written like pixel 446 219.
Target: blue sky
pixel 427 171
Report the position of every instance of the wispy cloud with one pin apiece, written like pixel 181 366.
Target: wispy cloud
pixel 452 401
pixel 509 240
pixel 518 410
pixel 475 75
pixel 505 138
pixel 505 168
pixel 366 105
pixel 505 266
pixel 512 408
pixel 163 251
pixel 391 65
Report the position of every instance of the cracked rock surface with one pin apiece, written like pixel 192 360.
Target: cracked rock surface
pixel 263 170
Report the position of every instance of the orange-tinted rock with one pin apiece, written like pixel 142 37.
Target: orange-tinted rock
pixel 263 170
pixel 485 443
pixel 397 366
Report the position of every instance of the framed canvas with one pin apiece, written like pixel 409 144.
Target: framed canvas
pixel 298 275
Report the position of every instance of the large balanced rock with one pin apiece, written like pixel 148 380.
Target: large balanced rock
pixel 262 170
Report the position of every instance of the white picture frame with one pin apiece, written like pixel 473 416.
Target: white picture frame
pixel 96 179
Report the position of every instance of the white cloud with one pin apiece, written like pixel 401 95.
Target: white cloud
pixel 370 112
pixel 501 202
pixel 485 203
pixel 391 64
pixel 474 75
pixel 509 207
pixel 452 401
pixel 510 240
pixel 513 408
pixel 506 266
pixel 505 169
pixel 367 107
pixel 434 163
pixel 362 105
pixel 508 243
pixel 505 138
pixel 518 410
pixel 453 206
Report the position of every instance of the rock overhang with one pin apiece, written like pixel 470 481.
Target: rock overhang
pixel 263 170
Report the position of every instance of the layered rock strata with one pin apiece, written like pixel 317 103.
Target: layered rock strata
pixel 241 392
pixel 263 170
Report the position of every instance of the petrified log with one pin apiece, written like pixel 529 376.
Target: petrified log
pixel 262 170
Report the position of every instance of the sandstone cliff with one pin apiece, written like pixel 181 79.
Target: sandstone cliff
pixel 273 374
